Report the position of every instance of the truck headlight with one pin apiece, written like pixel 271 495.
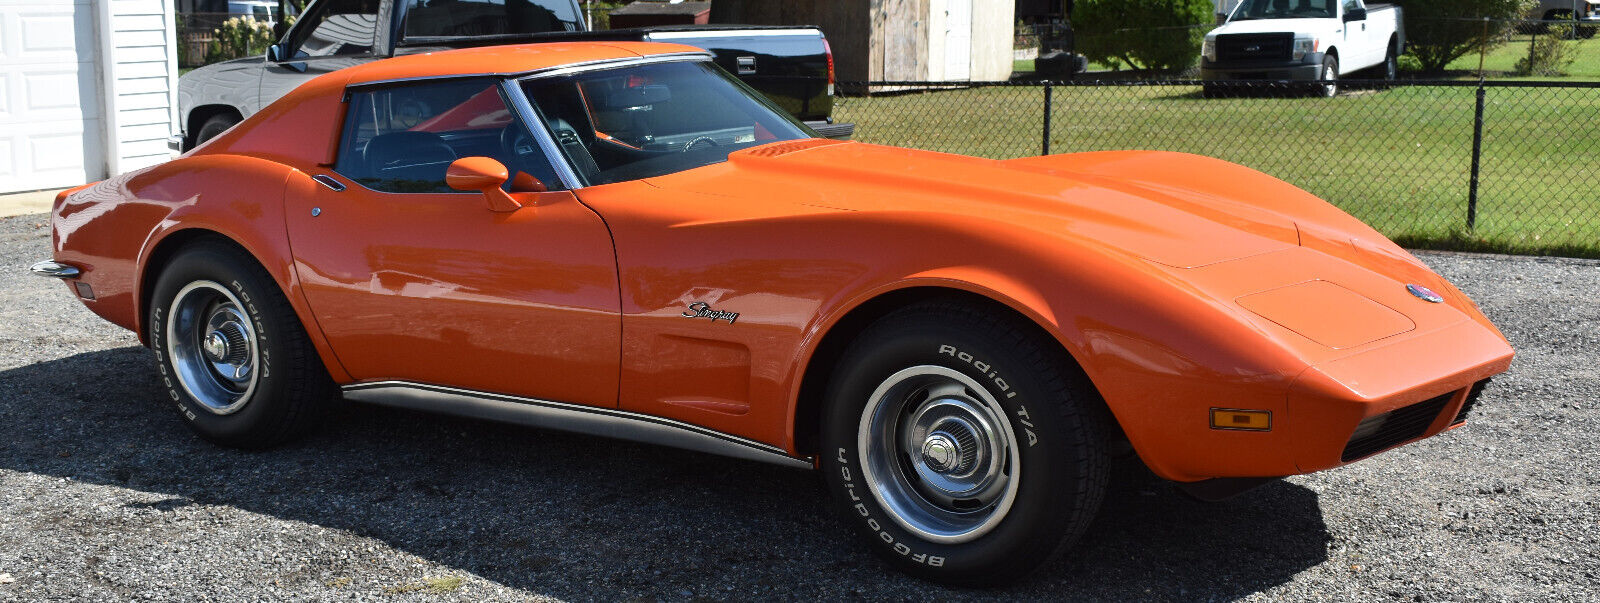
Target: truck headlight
pixel 1208 49
pixel 1303 46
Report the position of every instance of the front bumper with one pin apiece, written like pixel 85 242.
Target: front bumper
pixel 175 145
pixel 1354 407
pixel 1307 69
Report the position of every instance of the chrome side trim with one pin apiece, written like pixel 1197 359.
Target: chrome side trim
pixel 54 269
pixel 541 134
pixel 592 420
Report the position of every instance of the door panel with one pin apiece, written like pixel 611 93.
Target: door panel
pixel 435 288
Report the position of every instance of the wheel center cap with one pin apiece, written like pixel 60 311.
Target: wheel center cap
pixel 940 452
pixel 216 346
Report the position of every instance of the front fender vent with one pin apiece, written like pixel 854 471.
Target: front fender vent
pixel 1393 428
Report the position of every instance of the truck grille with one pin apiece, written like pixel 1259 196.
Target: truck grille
pixel 1255 47
pixel 1393 428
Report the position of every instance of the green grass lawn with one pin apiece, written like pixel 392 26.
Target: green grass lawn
pixel 1503 59
pixel 1398 159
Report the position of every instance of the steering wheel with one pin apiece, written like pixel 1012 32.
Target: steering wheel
pixel 705 141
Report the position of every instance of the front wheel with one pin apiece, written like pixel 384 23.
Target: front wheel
pixel 232 354
pixel 966 448
pixel 215 127
pixel 1329 86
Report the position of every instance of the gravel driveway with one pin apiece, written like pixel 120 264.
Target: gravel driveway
pixel 104 494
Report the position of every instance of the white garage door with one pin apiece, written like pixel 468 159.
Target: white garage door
pixel 50 132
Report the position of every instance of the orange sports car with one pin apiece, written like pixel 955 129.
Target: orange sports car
pixel 620 239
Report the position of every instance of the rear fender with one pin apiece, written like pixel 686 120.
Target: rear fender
pixel 240 198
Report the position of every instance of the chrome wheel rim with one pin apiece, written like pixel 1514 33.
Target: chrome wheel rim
pixel 938 454
pixel 212 346
pixel 1329 75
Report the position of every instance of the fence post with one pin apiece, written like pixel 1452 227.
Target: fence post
pixel 1045 137
pixel 1477 148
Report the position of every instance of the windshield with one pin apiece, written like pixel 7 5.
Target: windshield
pixel 650 120
pixel 455 18
pixel 1284 9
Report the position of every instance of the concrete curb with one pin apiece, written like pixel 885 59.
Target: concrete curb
pixel 33 202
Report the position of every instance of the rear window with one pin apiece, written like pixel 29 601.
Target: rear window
pixel 457 18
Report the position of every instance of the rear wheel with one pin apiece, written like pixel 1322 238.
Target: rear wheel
pixel 964 447
pixel 232 354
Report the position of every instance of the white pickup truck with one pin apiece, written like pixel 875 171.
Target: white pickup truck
pixel 1303 40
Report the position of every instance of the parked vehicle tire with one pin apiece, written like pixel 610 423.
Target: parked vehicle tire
pixel 214 126
pixel 1210 91
pixel 966 448
pixel 1390 69
pixel 231 352
pixel 1329 86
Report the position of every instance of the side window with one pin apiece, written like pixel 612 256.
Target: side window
pixel 402 139
pixel 338 28
pixel 450 18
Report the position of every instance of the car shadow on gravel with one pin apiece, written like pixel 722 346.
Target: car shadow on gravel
pixel 578 517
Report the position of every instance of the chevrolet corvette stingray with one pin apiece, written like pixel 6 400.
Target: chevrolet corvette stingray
pixel 620 239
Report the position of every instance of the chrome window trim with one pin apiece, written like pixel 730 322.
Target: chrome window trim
pixel 733 33
pixel 541 134
pixel 579 418
pixel 698 55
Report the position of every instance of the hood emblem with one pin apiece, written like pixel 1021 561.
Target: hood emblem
pixel 1425 294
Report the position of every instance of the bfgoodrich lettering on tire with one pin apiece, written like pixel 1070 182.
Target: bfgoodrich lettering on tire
pixel 233 357
pixel 966 446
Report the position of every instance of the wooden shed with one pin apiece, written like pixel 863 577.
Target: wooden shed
pixel 878 40
pixel 650 13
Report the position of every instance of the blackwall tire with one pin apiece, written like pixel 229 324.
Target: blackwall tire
pixel 1329 88
pixel 215 126
pixel 967 448
pixel 232 355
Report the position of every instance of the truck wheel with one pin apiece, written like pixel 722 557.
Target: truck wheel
pixel 965 448
pixel 232 355
pixel 1329 86
pixel 1391 65
pixel 214 126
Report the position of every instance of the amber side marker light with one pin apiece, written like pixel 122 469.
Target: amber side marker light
pixel 1246 420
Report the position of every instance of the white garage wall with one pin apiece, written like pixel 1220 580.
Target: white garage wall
pixel 50 117
pixel 139 77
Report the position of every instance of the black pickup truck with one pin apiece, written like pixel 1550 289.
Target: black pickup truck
pixel 793 66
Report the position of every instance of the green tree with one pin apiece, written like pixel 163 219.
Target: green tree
pixel 1144 34
pixel 1440 31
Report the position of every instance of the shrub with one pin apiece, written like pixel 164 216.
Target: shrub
pixel 1439 31
pixel 239 37
pixel 1144 34
pixel 1550 55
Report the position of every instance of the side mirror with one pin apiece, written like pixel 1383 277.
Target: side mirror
pixel 1357 14
pixel 484 175
pixel 275 53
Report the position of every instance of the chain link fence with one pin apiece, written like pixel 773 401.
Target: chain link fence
pixel 1498 166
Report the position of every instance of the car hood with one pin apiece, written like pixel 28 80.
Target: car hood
pixel 1301 25
pixel 1132 202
